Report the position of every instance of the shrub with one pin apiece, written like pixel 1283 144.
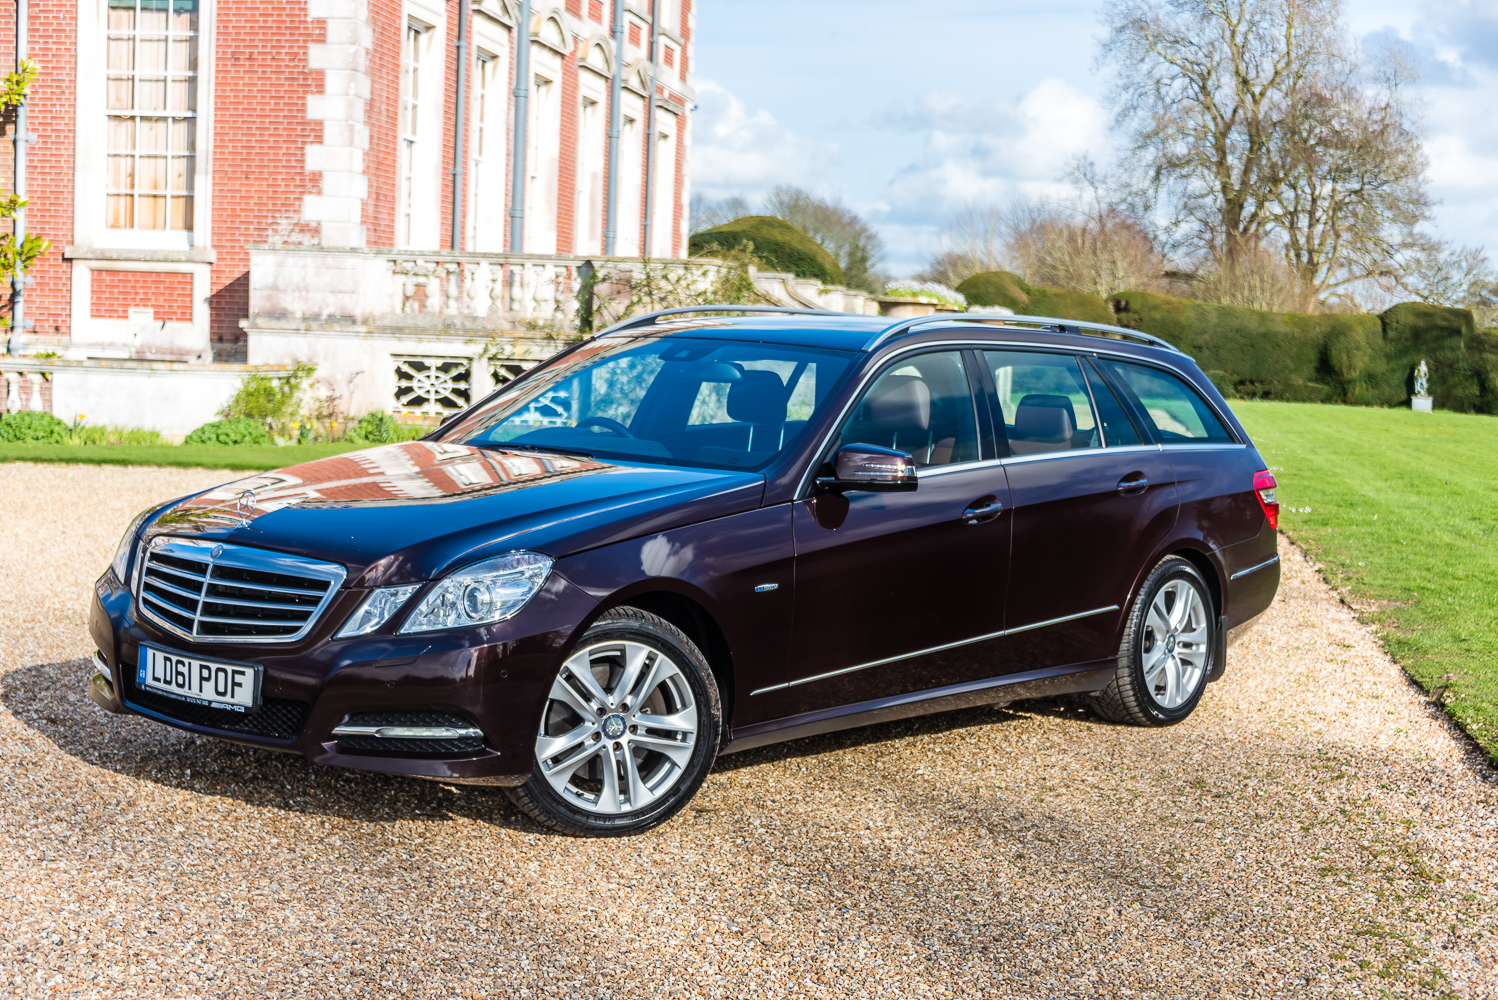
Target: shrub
pixel 1000 288
pixel 273 401
pixel 231 433
pixel 780 245
pixel 32 427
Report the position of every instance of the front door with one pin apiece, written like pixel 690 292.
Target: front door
pixel 885 580
pixel 1092 499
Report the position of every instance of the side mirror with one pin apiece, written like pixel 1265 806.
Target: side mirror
pixel 872 469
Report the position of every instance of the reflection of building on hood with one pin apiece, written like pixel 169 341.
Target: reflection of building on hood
pixel 401 474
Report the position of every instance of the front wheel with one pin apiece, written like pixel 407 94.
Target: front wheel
pixel 1167 649
pixel 629 731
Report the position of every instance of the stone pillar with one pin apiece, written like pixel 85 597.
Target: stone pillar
pixel 12 397
pixel 344 60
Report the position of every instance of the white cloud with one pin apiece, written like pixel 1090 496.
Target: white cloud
pixel 990 151
pixel 735 152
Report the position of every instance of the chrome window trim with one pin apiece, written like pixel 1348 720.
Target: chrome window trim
pixel 268 560
pixel 1254 569
pixel 804 489
pixel 1205 446
pixel 934 649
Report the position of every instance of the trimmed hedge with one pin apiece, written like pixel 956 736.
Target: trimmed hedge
pixel 1360 359
pixel 233 432
pixel 1000 288
pixel 32 427
pixel 780 245
pixel 1326 358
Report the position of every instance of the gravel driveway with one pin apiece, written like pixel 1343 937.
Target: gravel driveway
pixel 1315 830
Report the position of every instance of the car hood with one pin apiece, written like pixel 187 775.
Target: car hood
pixel 408 512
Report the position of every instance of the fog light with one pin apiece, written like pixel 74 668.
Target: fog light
pixel 410 732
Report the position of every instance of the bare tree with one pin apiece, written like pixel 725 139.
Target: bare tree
pixel 840 230
pixel 704 213
pixel 1091 243
pixel 1261 131
pixel 1351 181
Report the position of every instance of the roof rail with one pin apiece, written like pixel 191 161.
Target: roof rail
pixel 648 319
pixel 1072 326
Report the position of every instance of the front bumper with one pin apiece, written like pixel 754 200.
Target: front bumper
pixel 497 677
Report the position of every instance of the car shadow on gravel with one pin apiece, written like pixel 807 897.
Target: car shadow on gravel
pixel 51 701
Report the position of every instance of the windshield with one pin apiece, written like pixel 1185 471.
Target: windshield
pixel 720 404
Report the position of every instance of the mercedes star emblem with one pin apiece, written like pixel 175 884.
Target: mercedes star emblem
pixel 245 507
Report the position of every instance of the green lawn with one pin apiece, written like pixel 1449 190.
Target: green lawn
pixel 194 456
pixel 1401 508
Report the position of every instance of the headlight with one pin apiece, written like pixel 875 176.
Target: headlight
pixel 376 610
pixel 485 592
pixel 121 562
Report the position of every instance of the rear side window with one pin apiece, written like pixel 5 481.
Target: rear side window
pixel 1177 412
pixel 1118 431
pixel 1044 402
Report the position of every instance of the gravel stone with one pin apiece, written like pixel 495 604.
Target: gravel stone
pixel 1316 829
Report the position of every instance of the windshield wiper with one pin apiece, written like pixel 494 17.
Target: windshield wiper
pixel 516 446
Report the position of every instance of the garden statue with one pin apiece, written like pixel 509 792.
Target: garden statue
pixel 1421 402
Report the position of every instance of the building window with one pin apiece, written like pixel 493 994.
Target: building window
pixel 152 113
pixel 410 126
pixel 595 10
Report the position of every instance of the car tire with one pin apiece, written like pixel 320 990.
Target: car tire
pixel 1167 651
pixel 630 729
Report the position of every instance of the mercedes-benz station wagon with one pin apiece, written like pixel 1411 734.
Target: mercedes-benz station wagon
pixel 703 531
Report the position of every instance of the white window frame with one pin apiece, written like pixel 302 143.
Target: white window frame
pixel 419 173
pixel 91 165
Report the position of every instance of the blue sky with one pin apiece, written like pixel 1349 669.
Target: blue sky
pixel 907 111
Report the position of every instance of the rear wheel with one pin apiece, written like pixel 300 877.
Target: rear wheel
pixel 1167 649
pixel 630 729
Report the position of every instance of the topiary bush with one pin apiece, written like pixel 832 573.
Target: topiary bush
pixel 233 432
pixel 1001 288
pixel 777 243
pixel 32 427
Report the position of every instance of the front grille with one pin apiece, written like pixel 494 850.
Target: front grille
pixel 379 744
pixel 280 718
pixel 214 592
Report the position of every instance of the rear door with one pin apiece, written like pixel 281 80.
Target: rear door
pixel 1092 499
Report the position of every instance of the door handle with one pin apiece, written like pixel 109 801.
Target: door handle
pixel 981 511
pixel 1133 483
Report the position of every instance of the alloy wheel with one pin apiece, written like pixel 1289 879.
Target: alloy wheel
pixel 1175 644
pixel 619 728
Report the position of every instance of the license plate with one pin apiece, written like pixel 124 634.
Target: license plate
pixel 234 686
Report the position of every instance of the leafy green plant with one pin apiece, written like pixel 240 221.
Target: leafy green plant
pixel 33 427
pixel 233 432
pixel 17 258
pixel 83 435
pixel 274 401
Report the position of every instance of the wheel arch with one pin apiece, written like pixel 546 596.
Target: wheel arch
pixel 699 625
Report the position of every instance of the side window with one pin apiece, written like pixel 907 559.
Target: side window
pixel 1044 402
pixel 923 406
pixel 1118 431
pixel 1177 411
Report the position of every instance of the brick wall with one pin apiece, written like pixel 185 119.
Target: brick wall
pixel 382 115
pixel 567 161
pixel 112 294
pixel 260 137
pixel 53 41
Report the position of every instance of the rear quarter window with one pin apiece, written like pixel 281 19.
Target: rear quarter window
pixel 1176 412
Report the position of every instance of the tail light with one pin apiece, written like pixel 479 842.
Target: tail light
pixel 1264 486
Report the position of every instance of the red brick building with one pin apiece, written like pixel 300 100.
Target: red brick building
pixel 172 136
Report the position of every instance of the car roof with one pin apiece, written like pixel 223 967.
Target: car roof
pixel 854 332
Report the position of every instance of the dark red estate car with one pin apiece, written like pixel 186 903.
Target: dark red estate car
pixel 703 531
